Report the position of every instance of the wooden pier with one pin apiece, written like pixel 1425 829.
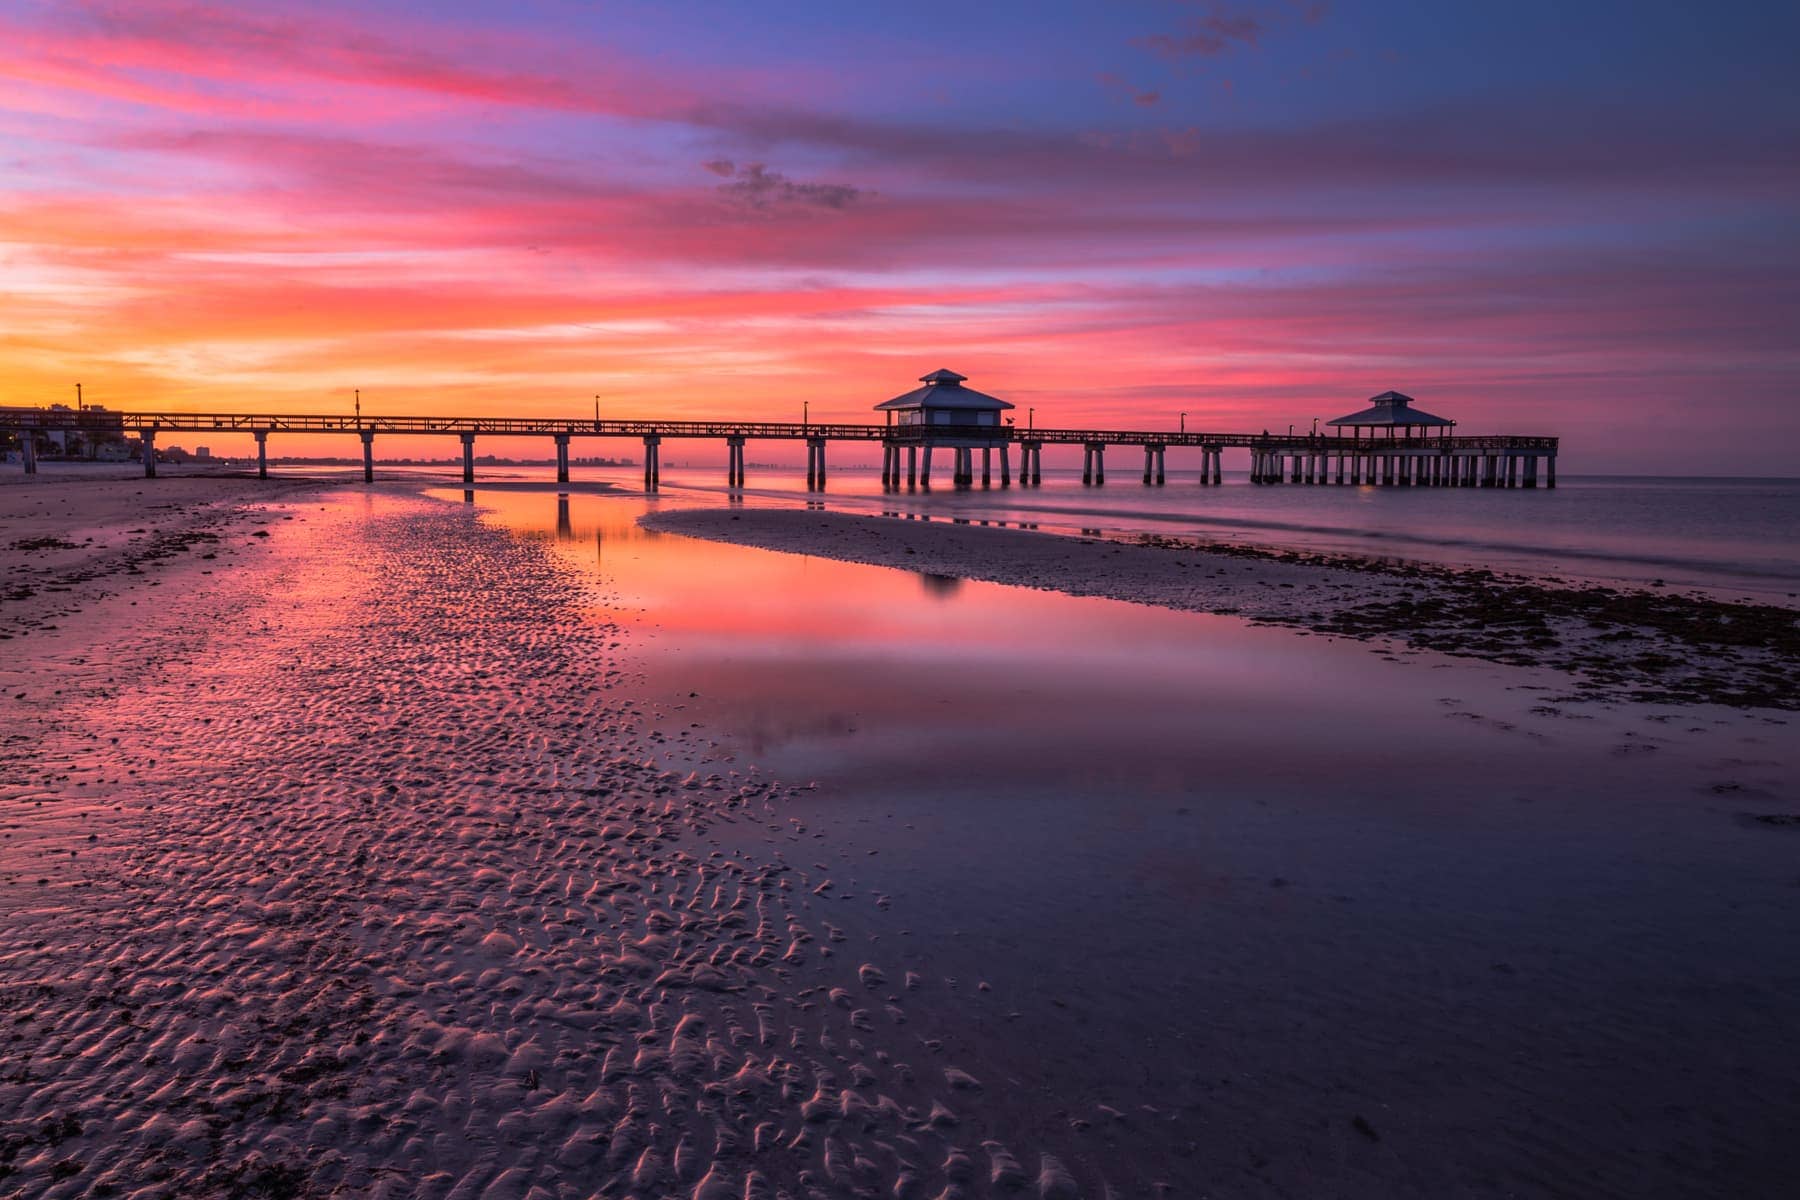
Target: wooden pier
pixel 1362 459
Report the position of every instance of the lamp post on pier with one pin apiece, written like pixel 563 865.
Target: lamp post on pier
pixel 1184 422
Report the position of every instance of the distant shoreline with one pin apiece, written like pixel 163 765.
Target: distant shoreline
pixel 1613 643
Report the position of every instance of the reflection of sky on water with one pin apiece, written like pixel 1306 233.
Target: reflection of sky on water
pixel 1730 535
pixel 788 642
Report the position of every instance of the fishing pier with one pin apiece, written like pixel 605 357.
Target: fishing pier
pixel 1388 444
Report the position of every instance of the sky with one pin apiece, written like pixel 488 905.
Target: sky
pixel 1537 218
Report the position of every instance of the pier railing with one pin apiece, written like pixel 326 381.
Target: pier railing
pixel 51 420
pixel 1429 460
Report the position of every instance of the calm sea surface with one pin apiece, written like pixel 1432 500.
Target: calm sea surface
pixel 1730 537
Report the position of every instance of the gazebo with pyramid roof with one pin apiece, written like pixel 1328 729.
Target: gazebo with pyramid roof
pixel 944 401
pixel 1392 411
pixel 945 414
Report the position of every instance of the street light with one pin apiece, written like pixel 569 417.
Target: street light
pixel 1031 418
pixel 1290 431
pixel 805 413
pixel 1184 422
pixel 359 406
pixel 1315 427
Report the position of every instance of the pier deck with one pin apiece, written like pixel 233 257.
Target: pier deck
pixel 1436 460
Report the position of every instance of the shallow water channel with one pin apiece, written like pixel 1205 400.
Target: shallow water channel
pixel 1292 913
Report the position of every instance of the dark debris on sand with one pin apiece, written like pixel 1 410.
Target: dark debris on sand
pixel 1645 646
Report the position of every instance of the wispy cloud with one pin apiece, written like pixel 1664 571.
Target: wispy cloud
pixel 1208 34
pixel 755 186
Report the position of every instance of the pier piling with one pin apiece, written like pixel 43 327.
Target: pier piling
pixel 468 449
pixel 734 462
pixel 262 453
pixel 368 441
pixel 652 462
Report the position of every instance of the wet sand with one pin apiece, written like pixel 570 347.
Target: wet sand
pixel 404 859
pixel 370 882
pixel 1640 646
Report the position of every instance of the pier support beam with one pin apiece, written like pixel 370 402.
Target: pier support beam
pixel 815 464
pixel 149 455
pixel 987 466
pixel 1093 464
pixel 368 441
pixel 652 463
pixel 562 457
pixel 925 469
pixel 262 452
pixel 1550 470
pixel 912 468
pixel 468 445
pixel 1005 465
pixel 28 450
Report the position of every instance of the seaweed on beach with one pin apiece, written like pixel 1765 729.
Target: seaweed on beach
pixel 1642 645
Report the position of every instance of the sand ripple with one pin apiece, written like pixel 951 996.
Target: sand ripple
pixel 404 903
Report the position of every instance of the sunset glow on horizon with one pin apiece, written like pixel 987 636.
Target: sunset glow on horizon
pixel 1533 220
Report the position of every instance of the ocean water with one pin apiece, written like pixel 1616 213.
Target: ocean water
pixel 1732 538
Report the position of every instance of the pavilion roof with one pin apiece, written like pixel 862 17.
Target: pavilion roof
pixel 944 389
pixel 1391 408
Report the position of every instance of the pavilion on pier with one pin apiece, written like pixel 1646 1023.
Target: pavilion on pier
pixel 1393 412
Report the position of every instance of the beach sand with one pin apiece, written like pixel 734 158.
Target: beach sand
pixel 389 859
pixel 367 883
